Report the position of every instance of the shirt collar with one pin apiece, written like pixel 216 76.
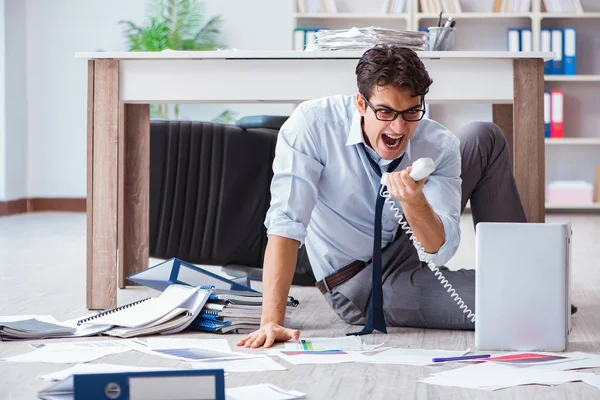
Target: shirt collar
pixel 356 136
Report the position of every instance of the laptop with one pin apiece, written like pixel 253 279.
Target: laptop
pixel 522 286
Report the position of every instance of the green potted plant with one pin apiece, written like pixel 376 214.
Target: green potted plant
pixel 175 25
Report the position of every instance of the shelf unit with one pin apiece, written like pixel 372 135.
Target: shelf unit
pixel 573 157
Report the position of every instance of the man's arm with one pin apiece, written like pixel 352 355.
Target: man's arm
pixel 278 271
pixel 425 223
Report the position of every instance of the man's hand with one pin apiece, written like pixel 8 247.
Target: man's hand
pixel 403 188
pixel 268 334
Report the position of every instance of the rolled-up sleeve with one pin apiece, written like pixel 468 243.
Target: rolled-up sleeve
pixel 296 172
pixel 443 192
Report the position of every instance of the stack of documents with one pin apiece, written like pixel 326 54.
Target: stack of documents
pixel 365 38
pixel 171 312
pixel 12 328
pixel 234 311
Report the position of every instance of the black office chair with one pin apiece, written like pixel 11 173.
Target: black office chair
pixel 210 191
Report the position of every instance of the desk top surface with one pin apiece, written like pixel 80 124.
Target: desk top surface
pixel 286 55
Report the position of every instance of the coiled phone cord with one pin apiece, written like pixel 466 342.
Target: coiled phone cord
pixel 427 257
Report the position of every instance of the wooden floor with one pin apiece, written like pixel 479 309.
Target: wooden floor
pixel 42 270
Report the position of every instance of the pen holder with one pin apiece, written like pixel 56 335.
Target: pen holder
pixel 441 38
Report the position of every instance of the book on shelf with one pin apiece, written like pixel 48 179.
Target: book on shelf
pixel 516 6
pixel 556 114
pixel 563 6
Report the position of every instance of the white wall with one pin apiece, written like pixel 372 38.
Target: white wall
pixel 15 101
pixel 2 103
pixel 57 82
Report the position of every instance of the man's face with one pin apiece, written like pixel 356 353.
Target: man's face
pixel 388 138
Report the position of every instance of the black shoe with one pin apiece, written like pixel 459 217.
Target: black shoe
pixel 573 309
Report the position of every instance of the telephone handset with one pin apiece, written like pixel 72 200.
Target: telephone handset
pixel 421 169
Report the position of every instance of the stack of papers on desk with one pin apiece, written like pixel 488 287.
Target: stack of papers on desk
pixel 365 38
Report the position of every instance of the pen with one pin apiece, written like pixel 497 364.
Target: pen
pixel 440 19
pixel 461 358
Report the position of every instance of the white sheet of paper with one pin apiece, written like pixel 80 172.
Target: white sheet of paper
pixel 418 357
pixel 577 360
pixel 96 369
pixel 308 357
pixel 263 391
pixel 174 343
pixel 349 343
pixel 245 365
pixel 72 352
pixel 493 376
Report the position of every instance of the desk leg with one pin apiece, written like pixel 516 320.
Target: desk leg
pixel 528 136
pixel 502 115
pixel 134 189
pixel 101 202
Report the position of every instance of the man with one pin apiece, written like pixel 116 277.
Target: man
pixel 329 157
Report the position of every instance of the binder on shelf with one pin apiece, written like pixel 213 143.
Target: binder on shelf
pixel 557 47
pixel 547 111
pixel 526 40
pixel 556 114
pixel 147 385
pixel 570 51
pixel 514 39
pixel 546 46
pixel 299 39
pixel 176 271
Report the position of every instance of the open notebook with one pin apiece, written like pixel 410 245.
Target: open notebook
pixel 171 312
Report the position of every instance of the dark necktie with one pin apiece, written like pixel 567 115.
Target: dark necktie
pixel 376 319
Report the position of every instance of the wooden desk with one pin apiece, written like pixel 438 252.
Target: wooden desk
pixel 122 85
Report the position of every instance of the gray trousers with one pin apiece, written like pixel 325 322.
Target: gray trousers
pixel 412 295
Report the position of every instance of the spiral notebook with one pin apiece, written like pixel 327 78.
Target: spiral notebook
pixel 146 311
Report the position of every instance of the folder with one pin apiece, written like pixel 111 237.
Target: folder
pixel 186 384
pixel 514 39
pixel 299 40
pixel 557 47
pixel 556 114
pixel 176 271
pixel 546 46
pixel 570 51
pixel 547 111
pixel 526 40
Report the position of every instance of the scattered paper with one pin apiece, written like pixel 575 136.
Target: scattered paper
pixel 258 364
pixel 574 360
pixel 299 357
pixel 417 357
pixel 161 347
pixel 526 358
pixel 72 352
pixel 96 369
pixel 174 343
pixel 348 343
pixel 263 391
pixel 494 376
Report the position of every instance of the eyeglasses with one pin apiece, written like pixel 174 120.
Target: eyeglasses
pixel 387 114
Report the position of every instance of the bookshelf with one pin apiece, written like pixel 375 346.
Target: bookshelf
pixel 574 157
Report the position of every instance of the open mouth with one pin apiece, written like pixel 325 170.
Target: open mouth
pixel 392 141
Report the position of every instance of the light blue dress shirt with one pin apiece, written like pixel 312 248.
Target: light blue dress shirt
pixel 323 191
